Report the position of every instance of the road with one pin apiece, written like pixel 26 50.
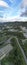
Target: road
pixel 20 49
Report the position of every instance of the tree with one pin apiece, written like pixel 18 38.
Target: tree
pixel 15 56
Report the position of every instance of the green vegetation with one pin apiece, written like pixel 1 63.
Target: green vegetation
pixel 1 39
pixel 3 42
pixel 24 46
pixel 15 56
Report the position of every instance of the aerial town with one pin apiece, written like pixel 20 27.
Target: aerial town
pixel 13 43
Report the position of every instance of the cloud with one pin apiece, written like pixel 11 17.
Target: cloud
pixel 3 3
pixel 25 2
pixel 22 12
pixel 13 12
pixel 12 19
pixel 12 1
pixel 24 8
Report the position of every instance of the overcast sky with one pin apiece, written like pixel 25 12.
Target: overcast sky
pixel 12 9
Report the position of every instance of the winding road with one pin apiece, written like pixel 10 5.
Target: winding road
pixel 22 51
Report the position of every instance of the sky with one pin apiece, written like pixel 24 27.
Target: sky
pixel 13 10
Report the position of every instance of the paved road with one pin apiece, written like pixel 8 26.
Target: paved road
pixel 21 49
